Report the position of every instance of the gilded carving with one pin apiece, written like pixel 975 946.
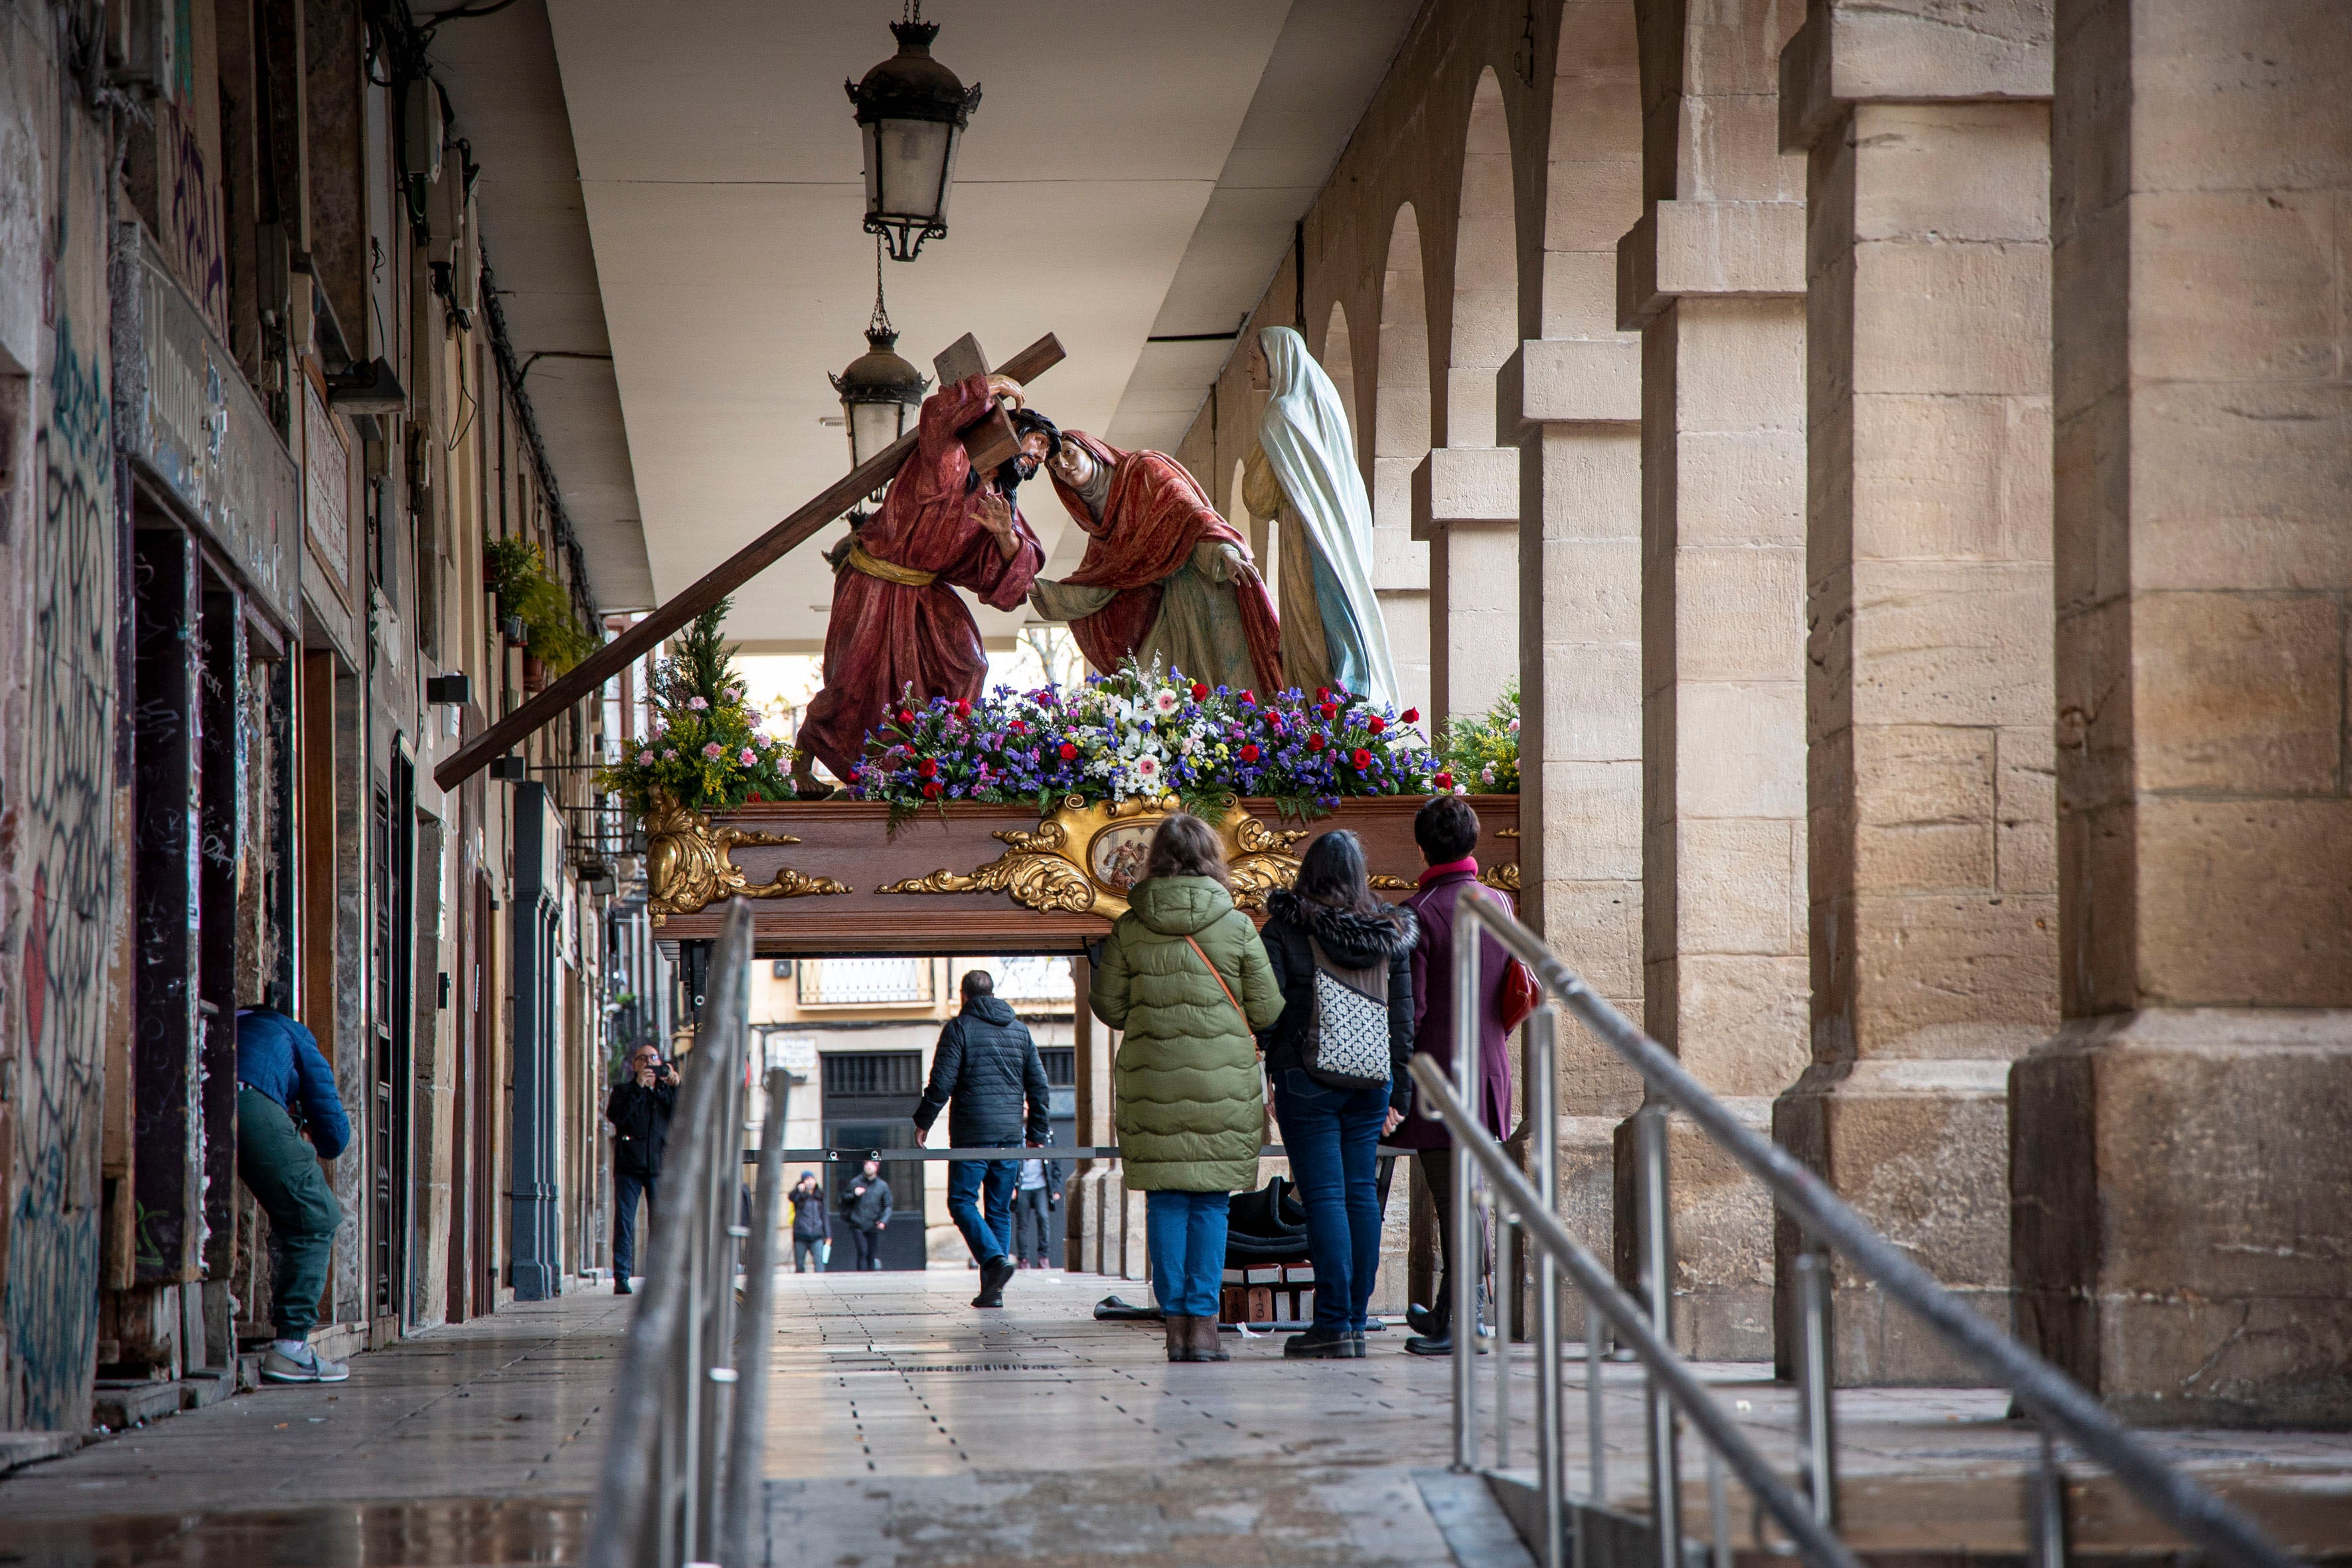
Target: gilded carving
pixel 689 864
pixel 1083 859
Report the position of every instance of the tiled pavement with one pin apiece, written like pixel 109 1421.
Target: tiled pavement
pixel 908 1428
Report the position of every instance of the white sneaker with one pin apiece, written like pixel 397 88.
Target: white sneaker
pixel 305 1365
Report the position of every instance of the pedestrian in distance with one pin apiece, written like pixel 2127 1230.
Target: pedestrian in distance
pixel 811 1226
pixel 1183 975
pixel 288 1118
pixel 639 1108
pixel 987 1067
pixel 1343 960
pixel 1446 829
pixel 1034 1206
pixel 866 1210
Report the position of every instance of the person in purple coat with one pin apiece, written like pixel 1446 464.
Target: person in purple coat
pixel 1446 829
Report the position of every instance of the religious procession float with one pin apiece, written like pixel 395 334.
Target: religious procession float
pixel 972 821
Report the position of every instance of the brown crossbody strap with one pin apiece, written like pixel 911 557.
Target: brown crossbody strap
pixel 1221 985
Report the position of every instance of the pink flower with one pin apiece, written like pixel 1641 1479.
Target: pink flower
pixel 748 758
pixel 696 703
pixel 714 750
pixel 669 756
pixel 644 758
pixel 1146 768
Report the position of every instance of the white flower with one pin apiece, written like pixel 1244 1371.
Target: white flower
pixel 1165 701
pixel 1146 768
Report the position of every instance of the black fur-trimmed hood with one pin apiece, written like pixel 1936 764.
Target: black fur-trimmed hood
pixel 1353 939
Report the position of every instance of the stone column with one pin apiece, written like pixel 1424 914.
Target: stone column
pixel 1573 408
pixel 1932 892
pixel 1713 278
pixel 2183 1146
pixel 1465 505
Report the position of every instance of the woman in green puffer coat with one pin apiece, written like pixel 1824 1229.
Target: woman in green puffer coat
pixel 1185 976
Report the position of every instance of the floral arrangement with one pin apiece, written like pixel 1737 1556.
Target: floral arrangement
pixel 1483 752
pixel 707 750
pixel 516 571
pixel 1139 731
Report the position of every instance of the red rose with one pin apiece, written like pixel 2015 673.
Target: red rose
pixel 1069 753
pixel 1322 694
pixel 963 708
pixel 930 791
pixel 1376 723
pixel 1411 715
pixel 1248 696
pixel 1018 726
pixel 906 716
pixel 757 798
pixel 1443 780
pixel 928 768
pixel 1329 711
pixel 1249 754
pixel 1200 691
pixel 1361 758
pixel 1314 742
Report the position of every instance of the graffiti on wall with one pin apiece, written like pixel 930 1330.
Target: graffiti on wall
pixel 190 201
pixel 61 862
pixel 69 864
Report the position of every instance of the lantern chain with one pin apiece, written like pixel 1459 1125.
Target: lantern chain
pixel 879 322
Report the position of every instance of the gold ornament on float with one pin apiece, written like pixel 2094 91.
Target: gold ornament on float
pixel 1083 859
pixel 689 864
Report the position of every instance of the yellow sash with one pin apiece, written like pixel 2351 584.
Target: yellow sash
pixel 890 572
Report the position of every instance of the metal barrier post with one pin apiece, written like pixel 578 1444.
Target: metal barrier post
pixel 1543 1100
pixel 1815 1370
pixel 1658 1281
pixel 1499 1228
pixel 2049 1507
pixel 1595 1417
pixel 748 1433
pixel 1463 1265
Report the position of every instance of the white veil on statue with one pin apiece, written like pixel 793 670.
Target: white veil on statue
pixel 1312 453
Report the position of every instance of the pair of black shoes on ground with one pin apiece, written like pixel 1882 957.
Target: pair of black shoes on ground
pixel 1432 1334
pixel 992 1276
pixel 1324 1344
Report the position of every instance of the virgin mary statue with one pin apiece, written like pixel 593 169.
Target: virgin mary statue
pixel 1303 472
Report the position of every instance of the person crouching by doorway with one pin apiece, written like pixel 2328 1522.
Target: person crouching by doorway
pixel 988 1067
pixel 288 1118
pixel 866 1210
pixel 811 1226
pixel 1446 829
pixel 1184 974
pixel 639 1108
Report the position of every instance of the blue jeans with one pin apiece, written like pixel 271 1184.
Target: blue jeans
pixel 627 1188
pixel 1185 1233
pixel 1333 1138
pixel 988 1236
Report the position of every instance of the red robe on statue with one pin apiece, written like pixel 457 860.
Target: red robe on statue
pixel 1153 520
pixel 895 621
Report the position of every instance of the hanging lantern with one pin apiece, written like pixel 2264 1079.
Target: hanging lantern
pixel 912 111
pixel 880 392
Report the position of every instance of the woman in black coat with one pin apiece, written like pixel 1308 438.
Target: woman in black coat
pixel 1332 1122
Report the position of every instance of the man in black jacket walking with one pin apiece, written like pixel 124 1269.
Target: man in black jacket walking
pixel 639 1108
pixel 987 1064
pixel 865 1209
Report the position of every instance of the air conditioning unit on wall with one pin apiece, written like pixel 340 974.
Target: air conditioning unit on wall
pixel 142 46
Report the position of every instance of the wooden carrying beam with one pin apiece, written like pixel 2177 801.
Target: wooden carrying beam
pixel 590 673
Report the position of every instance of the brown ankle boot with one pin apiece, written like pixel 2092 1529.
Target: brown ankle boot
pixel 1180 1338
pixel 1208 1343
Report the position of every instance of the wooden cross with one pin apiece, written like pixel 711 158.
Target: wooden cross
pixel 991 438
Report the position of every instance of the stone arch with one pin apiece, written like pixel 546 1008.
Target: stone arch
pixel 1338 358
pixel 1401 441
pixel 1485 327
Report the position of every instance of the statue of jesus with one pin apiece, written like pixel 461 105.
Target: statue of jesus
pixel 1164 577
pixel 897 628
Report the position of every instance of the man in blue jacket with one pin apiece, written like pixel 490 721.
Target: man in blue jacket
pixel 286 1093
pixel 989 1067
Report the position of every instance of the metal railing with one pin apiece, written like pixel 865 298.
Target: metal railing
pixel 1672 1390
pixel 680 1484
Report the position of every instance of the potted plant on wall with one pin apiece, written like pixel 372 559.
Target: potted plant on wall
pixel 706 751
pixel 537 606
pixel 1482 754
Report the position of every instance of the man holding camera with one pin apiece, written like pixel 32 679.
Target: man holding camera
pixel 639 1110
